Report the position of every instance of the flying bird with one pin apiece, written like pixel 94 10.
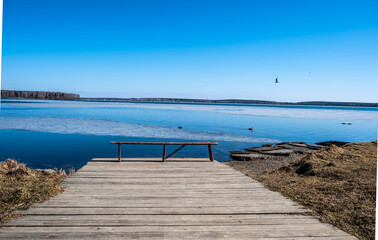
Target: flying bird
pixel 276 80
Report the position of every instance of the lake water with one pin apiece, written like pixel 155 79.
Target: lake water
pixel 65 134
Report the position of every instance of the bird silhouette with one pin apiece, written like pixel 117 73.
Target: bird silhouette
pixel 276 80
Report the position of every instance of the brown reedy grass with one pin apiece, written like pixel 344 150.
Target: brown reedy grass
pixel 337 183
pixel 21 186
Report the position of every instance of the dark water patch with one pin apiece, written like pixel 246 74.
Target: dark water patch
pixel 51 150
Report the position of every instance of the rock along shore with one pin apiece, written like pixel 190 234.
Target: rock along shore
pixel 270 157
pixel 284 149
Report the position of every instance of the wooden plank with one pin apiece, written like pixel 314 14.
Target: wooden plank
pixel 166 197
pixel 146 160
pixel 157 186
pixel 152 175
pixel 140 204
pixel 162 180
pixel 165 191
pixel 161 220
pixel 65 210
pixel 251 230
pixel 179 235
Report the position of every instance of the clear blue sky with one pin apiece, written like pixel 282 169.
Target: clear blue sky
pixel 319 50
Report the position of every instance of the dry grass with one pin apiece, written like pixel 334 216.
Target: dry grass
pixel 20 187
pixel 338 183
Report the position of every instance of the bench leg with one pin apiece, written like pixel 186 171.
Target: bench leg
pixel 119 152
pixel 164 151
pixel 211 153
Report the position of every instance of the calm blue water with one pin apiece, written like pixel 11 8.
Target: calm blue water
pixel 65 134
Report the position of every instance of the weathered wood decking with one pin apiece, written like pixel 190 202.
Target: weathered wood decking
pixel 178 199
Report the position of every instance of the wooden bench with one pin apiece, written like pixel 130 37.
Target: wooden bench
pixel 165 147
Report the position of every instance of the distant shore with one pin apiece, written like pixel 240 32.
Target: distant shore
pixel 234 101
pixel 15 94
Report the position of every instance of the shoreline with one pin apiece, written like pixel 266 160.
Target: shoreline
pixel 233 101
pixel 19 94
pixel 21 187
pixel 337 183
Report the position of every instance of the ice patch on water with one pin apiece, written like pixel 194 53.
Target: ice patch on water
pixel 273 111
pixel 103 127
pixel 303 113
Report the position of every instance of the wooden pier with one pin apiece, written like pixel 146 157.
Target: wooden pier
pixel 177 199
